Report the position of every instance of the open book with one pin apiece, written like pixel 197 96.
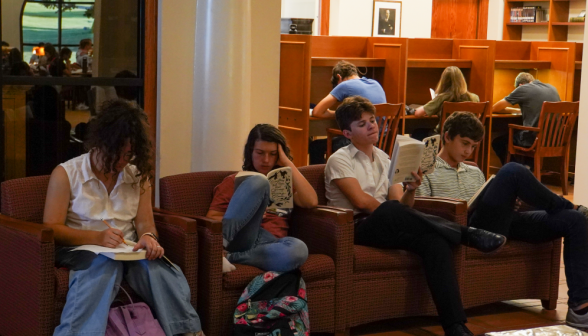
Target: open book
pixel 281 191
pixel 410 154
pixel 121 252
pixel 472 201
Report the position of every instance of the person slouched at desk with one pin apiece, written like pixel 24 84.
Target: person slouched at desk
pixel 452 87
pixel 346 83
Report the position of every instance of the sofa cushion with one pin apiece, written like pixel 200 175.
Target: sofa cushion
pixel 317 267
pixel 370 259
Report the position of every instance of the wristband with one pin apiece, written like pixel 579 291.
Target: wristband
pixel 150 234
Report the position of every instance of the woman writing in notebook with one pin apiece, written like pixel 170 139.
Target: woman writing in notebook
pixel 452 87
pixel 111 183
pixel 252 236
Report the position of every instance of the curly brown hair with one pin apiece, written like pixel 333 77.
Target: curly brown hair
pixel 464 124
pixel 118 122
pixel 263 132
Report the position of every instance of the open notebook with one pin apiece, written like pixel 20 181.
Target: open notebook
pixel 121 252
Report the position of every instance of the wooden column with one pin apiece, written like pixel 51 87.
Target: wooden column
pixel 325 15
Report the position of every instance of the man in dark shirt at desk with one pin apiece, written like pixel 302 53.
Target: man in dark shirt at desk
pixel 529 94
pixel 346 83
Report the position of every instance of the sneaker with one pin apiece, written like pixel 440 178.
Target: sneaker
pixel 458 329
pixel 82 107
pixel 576 320
pixel 484 241
pixel 227 266
pixel 583 210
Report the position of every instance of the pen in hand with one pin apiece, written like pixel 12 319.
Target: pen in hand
pixel 110 226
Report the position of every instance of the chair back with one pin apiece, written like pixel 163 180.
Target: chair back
pixel 556 123
pixel 24 198
pixel 315 175
pixel 189 193
pixel 388 118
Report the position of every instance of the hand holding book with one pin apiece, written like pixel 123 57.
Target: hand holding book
pixel 418 177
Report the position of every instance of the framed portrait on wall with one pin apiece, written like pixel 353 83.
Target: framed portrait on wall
pixel 386 20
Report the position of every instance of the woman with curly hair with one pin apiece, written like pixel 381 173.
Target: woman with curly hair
pixel 251 235
pixel 112 183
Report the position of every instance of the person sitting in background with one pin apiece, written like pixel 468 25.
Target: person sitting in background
pixel 35 58
pixel 495 209
pixel 112 182
pixel 529 94
pixel 61 66
pixel 452 87
pixel 251 235
pixel 356 178
pixel 84 52
pixel 346 82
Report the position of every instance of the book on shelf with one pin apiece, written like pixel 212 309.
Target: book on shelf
pixel 527 14
pixel 577 19
pixel 410 154
pixel 281 186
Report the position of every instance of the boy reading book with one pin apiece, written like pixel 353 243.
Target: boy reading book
pixel 253 234
pixel 356 178
pixel 495 207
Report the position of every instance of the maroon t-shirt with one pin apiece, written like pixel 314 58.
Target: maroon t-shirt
pixel 276 225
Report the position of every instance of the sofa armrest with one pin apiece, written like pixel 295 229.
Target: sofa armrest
pixel 27 261
pixel 448 208
pixel 179 236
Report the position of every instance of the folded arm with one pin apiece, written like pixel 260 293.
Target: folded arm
pixel 350 187
pixel 321 110
pixel 501 105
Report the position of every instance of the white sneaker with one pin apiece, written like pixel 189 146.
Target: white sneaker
pixel 227 266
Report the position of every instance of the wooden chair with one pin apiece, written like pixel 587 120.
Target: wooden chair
pixel 556 123
pixel 482 111
pixel 388 118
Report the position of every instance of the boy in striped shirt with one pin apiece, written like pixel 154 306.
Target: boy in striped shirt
pixel 495 210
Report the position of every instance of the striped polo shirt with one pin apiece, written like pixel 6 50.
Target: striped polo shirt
pixel 446 181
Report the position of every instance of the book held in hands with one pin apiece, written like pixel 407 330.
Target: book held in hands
pixel 121 252
pixel 281 191
pixel 409 154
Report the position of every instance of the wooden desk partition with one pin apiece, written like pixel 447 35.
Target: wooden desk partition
pixel 306 66
pixel 407 68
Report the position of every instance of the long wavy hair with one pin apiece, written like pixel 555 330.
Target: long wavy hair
pixel 263 132
pixel 118 122
pixel 453 85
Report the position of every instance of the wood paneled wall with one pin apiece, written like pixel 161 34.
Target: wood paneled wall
pixel 461 19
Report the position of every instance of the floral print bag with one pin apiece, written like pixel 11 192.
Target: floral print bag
pixel 273 304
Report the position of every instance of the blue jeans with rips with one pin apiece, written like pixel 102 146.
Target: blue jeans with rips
pixel 250 244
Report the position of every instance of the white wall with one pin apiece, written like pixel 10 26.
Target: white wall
pixel 303 9
pixel 495 18
pixel 177 25
pixel 11 22
pixel 581 176
pixel 354 18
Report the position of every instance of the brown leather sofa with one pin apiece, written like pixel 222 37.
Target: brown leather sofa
pixel 32 289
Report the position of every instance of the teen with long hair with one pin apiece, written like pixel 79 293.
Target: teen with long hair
pixel 452 87
pixel 253 236
pixel 112 183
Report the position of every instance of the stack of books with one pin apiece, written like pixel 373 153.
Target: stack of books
pixel 579 18
pixel 527 14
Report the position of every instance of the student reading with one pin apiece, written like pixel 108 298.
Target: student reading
pixel 252 236
pixel 452 87
pixel 111 182
pixel 494 211
pixel 346 83
pixel 356 178
pixel 529 94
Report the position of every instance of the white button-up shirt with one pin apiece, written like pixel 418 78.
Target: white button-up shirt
pixel 351 162
pixel 90 203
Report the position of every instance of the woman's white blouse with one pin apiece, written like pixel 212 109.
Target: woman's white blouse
pixel 90 202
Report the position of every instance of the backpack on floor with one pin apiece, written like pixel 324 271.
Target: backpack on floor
pixel 273 304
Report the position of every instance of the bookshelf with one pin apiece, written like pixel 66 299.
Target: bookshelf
pixel 558 28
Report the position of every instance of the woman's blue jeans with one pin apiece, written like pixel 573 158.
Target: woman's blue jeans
pixel 92 290
pixel 250 244
pixel 554 218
